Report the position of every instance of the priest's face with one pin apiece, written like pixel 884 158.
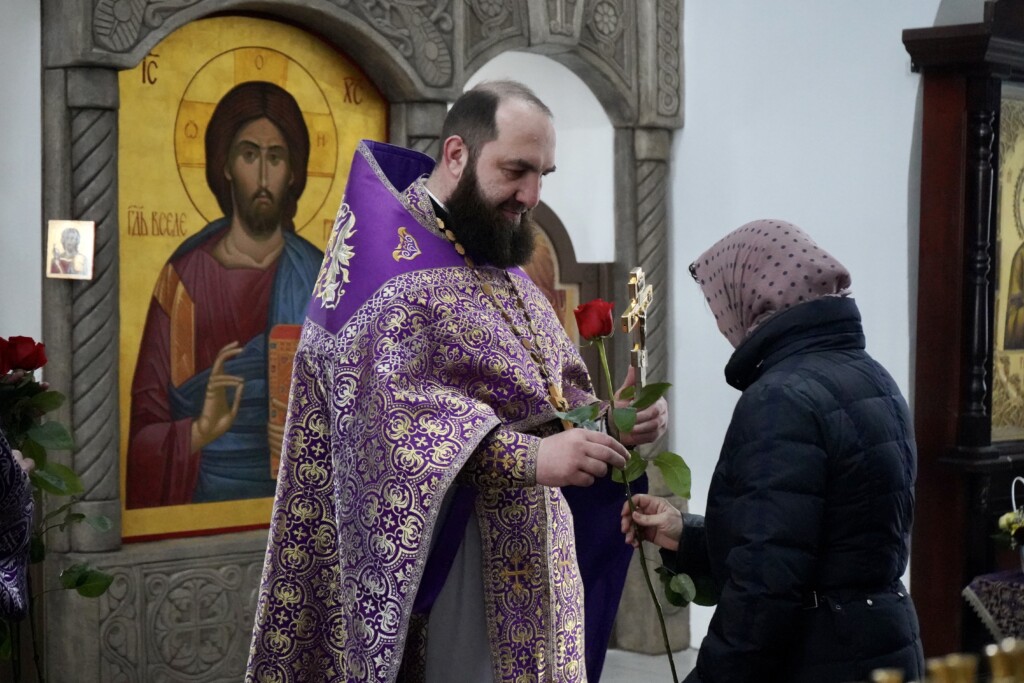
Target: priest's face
pixel 490 206
pixel 259 169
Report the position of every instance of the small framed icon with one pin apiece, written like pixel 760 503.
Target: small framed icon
pixel 70 248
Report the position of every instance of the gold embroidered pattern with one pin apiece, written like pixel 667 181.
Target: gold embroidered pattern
pixel 407 247
pixel 330 284
pixel 383 416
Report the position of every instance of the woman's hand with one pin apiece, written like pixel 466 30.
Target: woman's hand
pixel 657 520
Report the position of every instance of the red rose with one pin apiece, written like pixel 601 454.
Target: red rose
pixel 594 319
pixel 5 365
pixel 25 353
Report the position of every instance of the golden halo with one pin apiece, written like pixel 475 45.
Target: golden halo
pixel 206 88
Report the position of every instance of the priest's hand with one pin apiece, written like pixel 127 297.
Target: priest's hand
pixel 655 518
pixel 651 422
pixel 217 415
pixel 577 457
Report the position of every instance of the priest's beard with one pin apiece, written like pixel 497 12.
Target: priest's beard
pixel 486 233
pixel 260 219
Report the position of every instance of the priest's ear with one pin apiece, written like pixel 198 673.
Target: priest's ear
pixel 455 156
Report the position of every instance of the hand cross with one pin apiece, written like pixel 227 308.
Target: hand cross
pixel 634 319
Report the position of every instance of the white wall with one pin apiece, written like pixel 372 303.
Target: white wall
pixel 21 180
pixel 805 112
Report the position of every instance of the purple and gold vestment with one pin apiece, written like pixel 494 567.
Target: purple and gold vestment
pixel 408 385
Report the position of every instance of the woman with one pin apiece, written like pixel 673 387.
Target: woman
pixel 810 506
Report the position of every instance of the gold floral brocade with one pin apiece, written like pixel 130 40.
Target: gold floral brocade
pixel 423 382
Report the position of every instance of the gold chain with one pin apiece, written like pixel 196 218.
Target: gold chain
pixel 555 397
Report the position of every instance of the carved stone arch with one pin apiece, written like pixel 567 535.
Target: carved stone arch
pixel 403 67
pixel 419 53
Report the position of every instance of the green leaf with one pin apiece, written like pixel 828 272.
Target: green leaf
pixel 36 549
pixel 635 466
pixel 52 435
pixel 675 472
pixel 49 482
pixel 96 584
pixel 582 414
pixel 71 518
pixel 100 522
pixel 628 393
pixel 47 401
pixel 56 513
pixel 89 582
pixel 649 395
pixel 70 577
pixel 57 479
pixel 625 419
pixel 682 584
pixel 679 589
pixel 31 449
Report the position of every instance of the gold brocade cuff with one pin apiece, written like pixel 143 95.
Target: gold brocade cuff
pixel 504 459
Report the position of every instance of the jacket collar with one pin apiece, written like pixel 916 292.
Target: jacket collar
pixel 828 323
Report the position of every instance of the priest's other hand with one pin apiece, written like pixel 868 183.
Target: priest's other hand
pixel 651 422
pixel 577 457
pixel 217 415
pixel 657 520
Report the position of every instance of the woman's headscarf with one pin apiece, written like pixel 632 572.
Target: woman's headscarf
pixel 762 268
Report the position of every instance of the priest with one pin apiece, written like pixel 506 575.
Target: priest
pixel 419 531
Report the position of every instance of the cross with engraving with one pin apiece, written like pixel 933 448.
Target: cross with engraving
pixel 634 320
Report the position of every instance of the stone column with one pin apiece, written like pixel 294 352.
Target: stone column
pixel 81 330
pixel 417 125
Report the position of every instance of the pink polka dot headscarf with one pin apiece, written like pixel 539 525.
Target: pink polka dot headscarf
pixel 762 268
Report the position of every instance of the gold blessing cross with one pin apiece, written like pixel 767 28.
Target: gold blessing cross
pixel 634 320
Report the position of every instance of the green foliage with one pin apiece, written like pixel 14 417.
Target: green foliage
pixel 57 479
pixel 89 582
pixel 676 473
pixel 625 419
pixel 648 395
pixel 581 415
pixel 635 467
pixel 682 589
pixel 52 436
pixel 23 404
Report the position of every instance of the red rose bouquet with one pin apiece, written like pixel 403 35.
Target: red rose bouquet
pixel 24 402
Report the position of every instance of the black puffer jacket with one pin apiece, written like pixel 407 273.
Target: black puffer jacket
pixel 811 503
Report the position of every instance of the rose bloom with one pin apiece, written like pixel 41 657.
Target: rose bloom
pixel 24 353
pixel 594 319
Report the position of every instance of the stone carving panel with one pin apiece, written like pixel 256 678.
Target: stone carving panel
pixel 193 619
pixel 610 33
pixel 421 30
pixel 118 24
pixel 561 15
pixel 669 79
pixel 489 22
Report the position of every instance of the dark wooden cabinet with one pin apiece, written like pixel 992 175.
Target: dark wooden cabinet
pixel 964 373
